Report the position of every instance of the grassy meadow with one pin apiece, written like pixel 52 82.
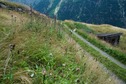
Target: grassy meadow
pixel 89 34
pixel 111 29
pixel 35 50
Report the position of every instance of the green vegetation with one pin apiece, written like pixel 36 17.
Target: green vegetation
pixel 85 33
pixel 120 72
pixel 36 58
pixel 111 29
pixel 33 52
pixel 84 27
pixel 12 5
pixel 113 52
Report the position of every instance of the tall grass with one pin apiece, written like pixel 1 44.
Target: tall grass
pixel 44 55
pixel 120 72
pixel 33 54
pixel 111 51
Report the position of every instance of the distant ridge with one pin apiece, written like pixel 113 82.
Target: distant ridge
pixel 94 12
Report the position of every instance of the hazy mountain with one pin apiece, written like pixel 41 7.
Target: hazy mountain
pixel 90 11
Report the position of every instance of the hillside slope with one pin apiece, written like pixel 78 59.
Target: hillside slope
pixel 28 2
pixel 35 50
pixel 96 11
pixel 86 34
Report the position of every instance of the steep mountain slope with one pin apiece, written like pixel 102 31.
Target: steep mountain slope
pixel 35 50
pixel 90 11
pixel 48 7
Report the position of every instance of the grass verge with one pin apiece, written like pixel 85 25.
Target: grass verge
pixel 120 72
pixel 84 31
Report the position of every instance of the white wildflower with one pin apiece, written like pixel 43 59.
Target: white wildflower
pixel 64 65
pixel 44 71
pixel 77 69
pixel 32 75
pixel 50 74
pixel 75 30
pixel 50 54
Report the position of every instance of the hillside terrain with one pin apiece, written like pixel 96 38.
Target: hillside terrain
pixel 101 50
pixel 111 29
pixel 33 50
pixel 28 2
pixel 89 11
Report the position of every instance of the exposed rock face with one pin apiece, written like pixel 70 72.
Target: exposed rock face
pixel 90 11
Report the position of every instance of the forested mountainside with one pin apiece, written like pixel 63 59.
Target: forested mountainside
pixel 90 11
